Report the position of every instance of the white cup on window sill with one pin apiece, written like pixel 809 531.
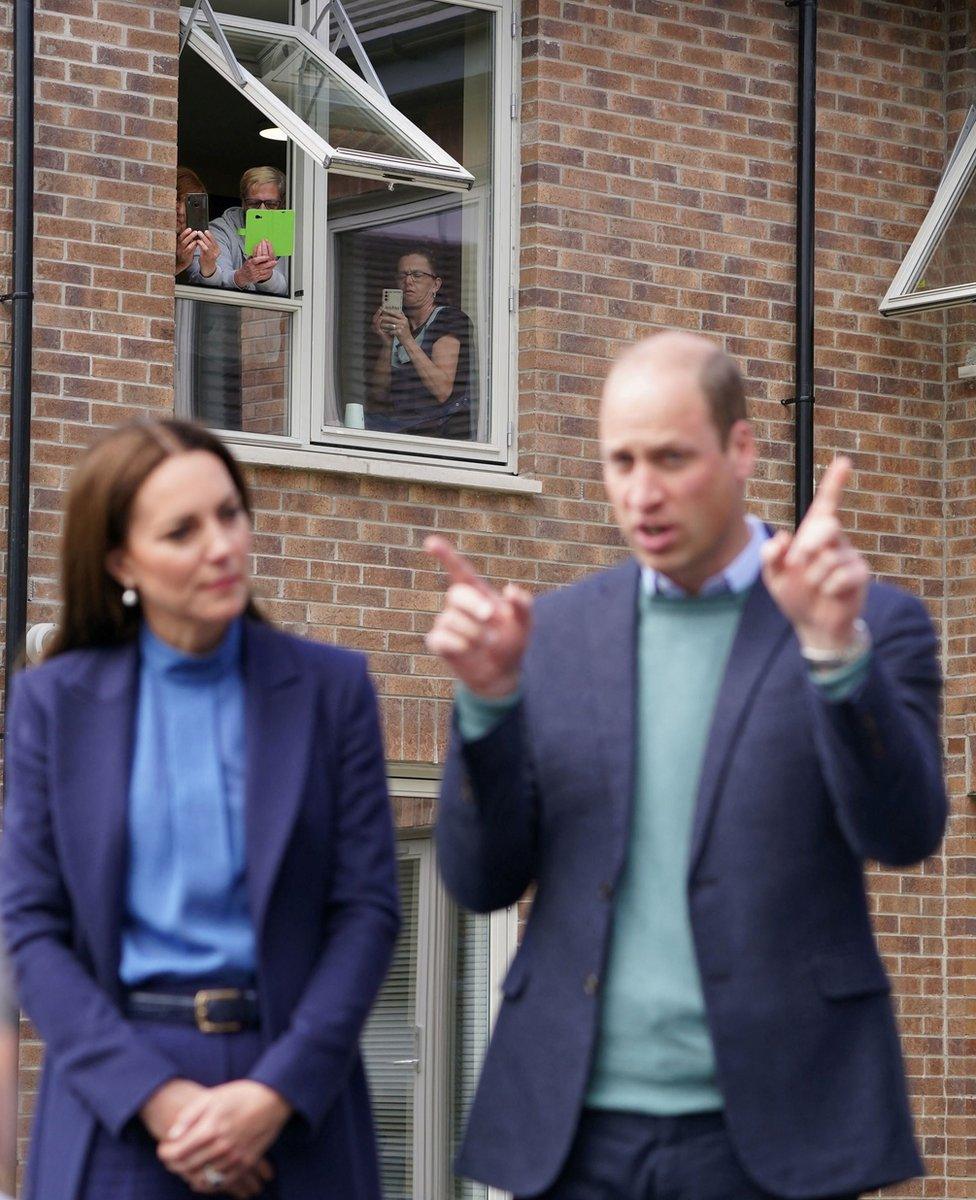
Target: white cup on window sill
pixel 354 417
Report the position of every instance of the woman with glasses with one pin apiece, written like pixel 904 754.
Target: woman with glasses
pixel 421 380
pixel 261 187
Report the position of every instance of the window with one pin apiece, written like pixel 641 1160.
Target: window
pixel 387 334
pixel 427 1035
pixel 939 269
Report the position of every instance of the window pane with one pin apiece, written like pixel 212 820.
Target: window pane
pixel 257 10
pixel 320 98
pixel 378 372
pixel 471 1030
pixel 389 1043
pixel 435 60
pixel 954 261
pixel 233 365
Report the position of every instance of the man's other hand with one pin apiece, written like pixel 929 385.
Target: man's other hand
pixel 817 578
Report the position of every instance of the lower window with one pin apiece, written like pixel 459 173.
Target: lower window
pixel 425 1040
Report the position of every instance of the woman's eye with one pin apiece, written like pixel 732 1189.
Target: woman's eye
pixel 179 534
pixel 231 512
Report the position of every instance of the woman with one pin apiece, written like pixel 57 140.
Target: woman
pixel 196 251
pixel 197 875
pixel 421 379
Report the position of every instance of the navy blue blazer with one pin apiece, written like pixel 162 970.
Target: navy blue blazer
pixel 795 793
pixel 321 883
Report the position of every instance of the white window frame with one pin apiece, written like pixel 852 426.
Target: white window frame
pixel 432 1098
pixel 310 443
pixel 901 299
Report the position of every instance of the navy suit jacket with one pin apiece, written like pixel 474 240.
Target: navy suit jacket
pixel 321 884
pixel 795 793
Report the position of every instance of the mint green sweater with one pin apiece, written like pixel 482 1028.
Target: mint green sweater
pixel 654 1052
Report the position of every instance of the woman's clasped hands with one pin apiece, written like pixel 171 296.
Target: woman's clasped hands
pixel 215 1138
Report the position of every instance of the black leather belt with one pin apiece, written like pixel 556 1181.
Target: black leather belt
pixel 211 1010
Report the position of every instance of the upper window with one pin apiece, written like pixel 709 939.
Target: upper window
pixel 939 269
pixel 359 295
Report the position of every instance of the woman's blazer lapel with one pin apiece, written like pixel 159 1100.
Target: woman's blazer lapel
pixel 90 766
pixel 280 715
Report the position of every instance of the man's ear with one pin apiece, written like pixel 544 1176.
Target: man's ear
pixel 742 449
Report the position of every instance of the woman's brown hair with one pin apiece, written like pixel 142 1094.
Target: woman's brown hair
pixel 187 180
pixel 100 496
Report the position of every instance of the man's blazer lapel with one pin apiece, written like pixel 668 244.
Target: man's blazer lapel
pixel 279 716
pixel 762 630
pixel 96 736
pixel 611 630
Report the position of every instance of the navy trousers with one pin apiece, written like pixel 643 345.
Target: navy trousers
pixel 127 1168
pixel 630 1156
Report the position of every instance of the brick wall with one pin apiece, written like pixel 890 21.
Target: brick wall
pixel 960 627
pixel 657 189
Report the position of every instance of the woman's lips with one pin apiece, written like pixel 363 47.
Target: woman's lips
pixel 224 583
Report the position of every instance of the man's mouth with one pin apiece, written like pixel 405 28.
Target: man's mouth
pixel 654 537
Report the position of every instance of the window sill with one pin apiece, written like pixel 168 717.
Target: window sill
pixel 375 468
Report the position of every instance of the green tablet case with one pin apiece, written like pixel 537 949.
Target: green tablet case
pixel 274 225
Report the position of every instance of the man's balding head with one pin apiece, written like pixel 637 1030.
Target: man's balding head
pixel 677 354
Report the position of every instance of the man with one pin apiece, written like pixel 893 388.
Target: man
pixel 690 755
pixel 261 271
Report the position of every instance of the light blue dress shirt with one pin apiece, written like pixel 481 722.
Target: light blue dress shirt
pixel 186 908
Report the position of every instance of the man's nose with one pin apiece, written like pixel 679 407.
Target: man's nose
pixel 646 490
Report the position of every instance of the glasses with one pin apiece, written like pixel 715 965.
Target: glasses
pixel 272 204
pixel 416 276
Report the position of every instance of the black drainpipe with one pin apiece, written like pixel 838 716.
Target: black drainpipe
pixel 21 299
pixel 805 231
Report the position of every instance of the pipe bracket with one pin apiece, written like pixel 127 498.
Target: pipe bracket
pixel 8 296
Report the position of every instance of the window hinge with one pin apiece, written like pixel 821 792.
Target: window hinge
pixel 514 108
pixel 510 436
pixel 516 23
pixel 512 299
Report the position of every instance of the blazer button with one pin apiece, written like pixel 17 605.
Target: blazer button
pixel 591 984
pixel 606 890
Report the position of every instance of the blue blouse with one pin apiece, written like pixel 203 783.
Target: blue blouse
pixel 186 908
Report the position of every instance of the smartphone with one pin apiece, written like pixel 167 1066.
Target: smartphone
pixel 393 298
pixel 197 211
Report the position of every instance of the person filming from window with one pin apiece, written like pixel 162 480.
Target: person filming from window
pixel 421 379
pixel 261 187
pixel 196 251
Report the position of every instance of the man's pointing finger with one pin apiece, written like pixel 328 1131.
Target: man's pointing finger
pixel 831 491
pixel 456 565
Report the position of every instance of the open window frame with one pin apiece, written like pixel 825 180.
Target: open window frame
pixel 312 440
pixel 902 299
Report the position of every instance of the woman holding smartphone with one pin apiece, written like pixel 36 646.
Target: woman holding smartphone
pixel 197 873
pixel 196 249
pixel 421 379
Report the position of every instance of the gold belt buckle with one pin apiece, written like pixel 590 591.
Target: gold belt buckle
pixel 201 1002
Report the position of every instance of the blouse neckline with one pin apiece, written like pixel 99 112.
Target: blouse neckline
pixel 162 659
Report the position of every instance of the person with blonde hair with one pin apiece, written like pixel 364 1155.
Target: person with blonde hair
pixel 261 271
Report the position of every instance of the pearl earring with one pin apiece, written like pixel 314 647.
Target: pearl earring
pixel 130 597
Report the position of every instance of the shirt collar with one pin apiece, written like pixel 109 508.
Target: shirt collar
pixel 161 658
pixel 741 573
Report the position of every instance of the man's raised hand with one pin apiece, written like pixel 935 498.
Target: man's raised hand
pixel 817 578
pixel 480 633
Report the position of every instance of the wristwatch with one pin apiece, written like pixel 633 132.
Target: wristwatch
pixel 832 660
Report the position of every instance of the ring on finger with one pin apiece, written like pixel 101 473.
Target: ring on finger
pixel 212 1177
